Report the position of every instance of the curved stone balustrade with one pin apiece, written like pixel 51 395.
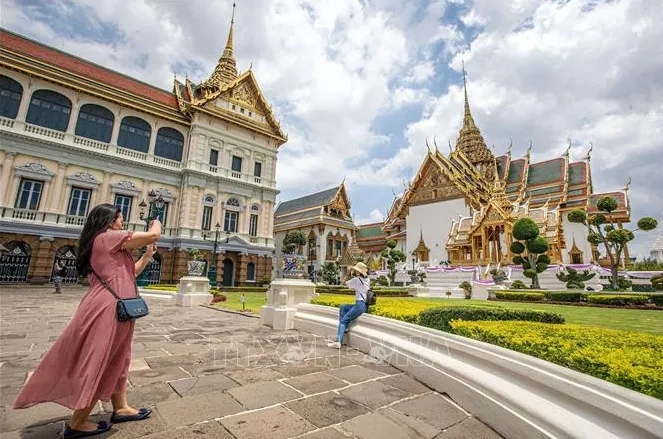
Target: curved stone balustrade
pixel 518 395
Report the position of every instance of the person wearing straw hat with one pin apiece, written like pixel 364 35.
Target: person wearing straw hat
pixel 360 283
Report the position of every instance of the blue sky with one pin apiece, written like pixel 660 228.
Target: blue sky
pixel 359 85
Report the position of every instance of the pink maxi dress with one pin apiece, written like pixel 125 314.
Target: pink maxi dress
pixel 90 360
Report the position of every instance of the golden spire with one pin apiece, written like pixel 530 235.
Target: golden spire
pixel 226 69
pixel 470 141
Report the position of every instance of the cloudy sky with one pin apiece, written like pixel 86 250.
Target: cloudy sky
pixel 359 85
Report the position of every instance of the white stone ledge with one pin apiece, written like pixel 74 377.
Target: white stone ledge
pixel 518 395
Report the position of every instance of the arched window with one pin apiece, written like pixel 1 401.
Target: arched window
pixel 11 93
pixel 49 109
pixel 170 144
pixel 134 134
pixel 95 122
pixel 250 271
pixel 232 202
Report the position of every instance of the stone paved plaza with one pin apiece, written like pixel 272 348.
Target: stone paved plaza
pixel 215 374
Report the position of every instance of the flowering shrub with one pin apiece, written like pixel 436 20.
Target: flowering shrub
pixel 630 359
pixel 393 308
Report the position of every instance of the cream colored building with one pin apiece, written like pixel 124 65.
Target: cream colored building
pixel 74 134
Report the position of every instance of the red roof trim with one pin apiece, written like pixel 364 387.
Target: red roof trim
pixel 70 63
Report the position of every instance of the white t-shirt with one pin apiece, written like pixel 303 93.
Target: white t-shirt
pixel 360 286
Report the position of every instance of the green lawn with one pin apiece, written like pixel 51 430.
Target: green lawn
pixel 253 301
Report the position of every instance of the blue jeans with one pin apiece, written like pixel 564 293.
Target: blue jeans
pixel 347 314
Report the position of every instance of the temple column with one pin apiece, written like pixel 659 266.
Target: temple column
pixel 5 173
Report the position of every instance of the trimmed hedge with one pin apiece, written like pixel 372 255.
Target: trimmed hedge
pixel 618 299
pixel 521 297
pixel 629 359
pixel 560 296
pixel 441 318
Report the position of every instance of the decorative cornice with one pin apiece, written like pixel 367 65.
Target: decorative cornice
pixel 83 179
pixel 125 187
pixel 34 170
pixel 167 195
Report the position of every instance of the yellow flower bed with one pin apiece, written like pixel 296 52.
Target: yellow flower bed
pixel 630 359
pixel 406 310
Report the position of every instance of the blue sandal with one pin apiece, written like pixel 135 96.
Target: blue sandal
pixel 102 427
pixel 142 414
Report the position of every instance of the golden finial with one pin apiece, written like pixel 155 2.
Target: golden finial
pixel 568 150
pixel 450 147
pixel 510 145
pixel 628 184
pixel 250 66
pixel 427 145
pixel 529 148
pixel 435 143
pixel 589 152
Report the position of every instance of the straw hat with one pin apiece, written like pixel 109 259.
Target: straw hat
pixel 360 267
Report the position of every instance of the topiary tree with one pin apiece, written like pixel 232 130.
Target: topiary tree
pixel 657 282
pixel 329 273
pixel 573 279
pixel 467 288
pixel 602 230
pixel 530 249
pixel 498 276
pixel 393 256
pixel 518 285
pixel 293 240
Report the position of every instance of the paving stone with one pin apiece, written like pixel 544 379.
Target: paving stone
pixel 138 364
pixel 355 374
pixel 406 383
pixel 379 367
pixel 258 395
pixel 47 431
pixel 198 408
pixel 19 366
pixel 149 376
pixel 374 394
pixel 315 383
pixel 184 336
pixel 303 368
pixel 211 430
pixel 8 395
pixel 147 396
pixel 171 360
pixel 272 423
pixel 202 384
pixel 12 336
pixel 433 409
pixel 12 379
pixel 328 433
pixel 390 424
pixel 469 428
pixel 326 409
pixel 34 416
pixel 250 376
pixel 132 430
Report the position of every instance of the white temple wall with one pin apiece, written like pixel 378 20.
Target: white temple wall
pixel 579 233
pixel 434 220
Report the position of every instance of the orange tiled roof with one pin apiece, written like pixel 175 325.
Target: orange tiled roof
pixel 73 64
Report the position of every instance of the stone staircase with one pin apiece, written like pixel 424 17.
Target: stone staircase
pixel 440 282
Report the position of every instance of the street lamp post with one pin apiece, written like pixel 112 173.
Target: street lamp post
pixel 211 271
pixel 156 206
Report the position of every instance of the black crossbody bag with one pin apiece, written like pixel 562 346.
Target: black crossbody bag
pixel 127 309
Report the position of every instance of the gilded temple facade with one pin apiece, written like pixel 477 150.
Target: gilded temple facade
pixel 460 207
pixel 74 134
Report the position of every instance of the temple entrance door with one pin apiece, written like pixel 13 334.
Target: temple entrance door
pixel 65 257
pixel 14 263
pixel 228 268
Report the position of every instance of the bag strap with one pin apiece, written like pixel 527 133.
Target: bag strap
pixel 105 284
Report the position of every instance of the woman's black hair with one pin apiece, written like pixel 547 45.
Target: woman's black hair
pixel 98 221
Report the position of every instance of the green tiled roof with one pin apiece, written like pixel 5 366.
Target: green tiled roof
pixel 370 232
pixel 501 163
pixel 576 173
pixel 545 172
pixel 307 202
pixel 547 190
pixel 516 171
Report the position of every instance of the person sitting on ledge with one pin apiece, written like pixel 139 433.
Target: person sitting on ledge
pixel 348 313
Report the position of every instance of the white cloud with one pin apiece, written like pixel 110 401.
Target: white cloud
pixel 421 72
pixel 374 216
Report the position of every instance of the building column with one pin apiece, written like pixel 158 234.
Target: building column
pixel 44 261
pixel 5 173
pixel 104 195
pixel 198 203
pixel 73 118
pixel 58 187
pixel 153 140
pixel 244 224
pixel 241 271
pixel 11 194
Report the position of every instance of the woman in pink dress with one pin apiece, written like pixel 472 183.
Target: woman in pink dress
pixel 90 360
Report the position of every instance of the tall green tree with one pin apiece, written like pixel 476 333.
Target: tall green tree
pixel 602 230
pixel 530 249
pixel 293 241
pixel 393 256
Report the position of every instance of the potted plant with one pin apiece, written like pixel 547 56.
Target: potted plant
pixel 196 263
